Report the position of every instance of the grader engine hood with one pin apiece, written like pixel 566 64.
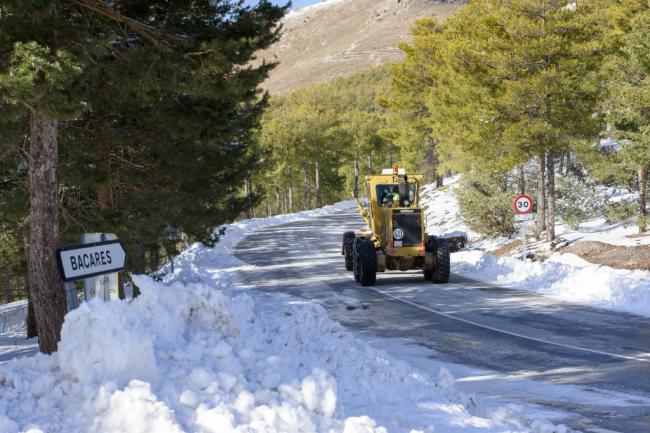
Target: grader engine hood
pixel 406 226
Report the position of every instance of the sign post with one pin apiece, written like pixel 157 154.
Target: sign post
pixel 91 260
pixel 524 213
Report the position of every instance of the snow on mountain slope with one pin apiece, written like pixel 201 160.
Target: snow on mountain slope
pixel 563 276
pixel 199 353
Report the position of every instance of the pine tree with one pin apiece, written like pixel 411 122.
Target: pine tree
pixel 164 112
pixel 412 119
pixel 628 100
pixel 514 80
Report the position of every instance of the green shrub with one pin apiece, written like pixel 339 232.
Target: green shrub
pixel 620 211
pixel 576 201
pixel 486 203
pixel 642 222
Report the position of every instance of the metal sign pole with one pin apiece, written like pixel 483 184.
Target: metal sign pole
pixel 523 235
pixel 71 295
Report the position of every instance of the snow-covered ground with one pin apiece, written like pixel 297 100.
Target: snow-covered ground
pixel 198 352
pixel 312 8
pixel 563 276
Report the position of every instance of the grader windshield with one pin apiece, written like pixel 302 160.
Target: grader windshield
pixel 387 193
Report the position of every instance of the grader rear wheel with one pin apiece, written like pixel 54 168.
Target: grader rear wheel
pixel 356 267
pixel 348 238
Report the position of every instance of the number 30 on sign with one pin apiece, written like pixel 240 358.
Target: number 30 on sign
pixel 523 204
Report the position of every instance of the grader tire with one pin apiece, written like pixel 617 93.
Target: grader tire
pixel 348 237
pixel 443 265
pixel 367 263
pixel 356 266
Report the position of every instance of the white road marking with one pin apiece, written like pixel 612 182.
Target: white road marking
pixel 601 430
pixel 645 357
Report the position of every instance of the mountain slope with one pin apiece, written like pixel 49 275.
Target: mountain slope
pixel 339 37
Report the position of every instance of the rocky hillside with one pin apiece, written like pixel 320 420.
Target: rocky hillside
pixel 337 37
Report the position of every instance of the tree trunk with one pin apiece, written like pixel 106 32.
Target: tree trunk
pixel 290 208
pixel 440 180
pixel 567 164
pixel 139 260
pixel 7 289
pixel 431 161
pixel 104 192
pixel 319 200
pixel 32 330
pixel 541 194
pixel 47 292
pixel 251 203
pixel 643 209
pixel 278 201
pixel 285 201
pixel 247 195
pixel 233 198
pixel 521 179
pixel 550 214
pixel 306 188
pixel 369 164
pixel 561 168
pixel 30 321
pixel 355 189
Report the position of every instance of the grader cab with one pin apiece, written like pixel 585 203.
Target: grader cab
pixel 394 238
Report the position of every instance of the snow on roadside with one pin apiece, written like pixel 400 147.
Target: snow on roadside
pixel 441 210
pixel 197 353
pixel 563 276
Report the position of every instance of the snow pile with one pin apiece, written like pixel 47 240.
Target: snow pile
pixel 200 354
pixel 189 358
pixel 564 276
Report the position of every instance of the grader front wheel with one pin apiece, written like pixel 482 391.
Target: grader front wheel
pixel 367 263
pixel 441 272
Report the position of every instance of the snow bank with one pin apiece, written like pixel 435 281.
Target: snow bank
pixel 564 276
pixel 199 354
pixel 189 358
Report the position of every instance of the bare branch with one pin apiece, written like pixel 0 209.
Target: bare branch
pixel 146 31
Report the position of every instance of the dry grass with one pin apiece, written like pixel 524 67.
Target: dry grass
pixel 340 39
pixel 615 256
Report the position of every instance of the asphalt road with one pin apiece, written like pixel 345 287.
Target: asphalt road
pixel 502 330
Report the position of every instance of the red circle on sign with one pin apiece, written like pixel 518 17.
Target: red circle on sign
pixel 523 204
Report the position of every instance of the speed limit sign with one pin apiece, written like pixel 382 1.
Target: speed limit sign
pixel 524 204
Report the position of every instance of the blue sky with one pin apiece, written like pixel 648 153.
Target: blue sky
pixel 296 3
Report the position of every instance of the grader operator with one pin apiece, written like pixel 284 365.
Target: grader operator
pixel 394 237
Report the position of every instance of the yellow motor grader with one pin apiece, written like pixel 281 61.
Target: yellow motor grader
pixel 394 237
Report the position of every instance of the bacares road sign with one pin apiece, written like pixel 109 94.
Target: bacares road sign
pixel 523 204
pixel 90 260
